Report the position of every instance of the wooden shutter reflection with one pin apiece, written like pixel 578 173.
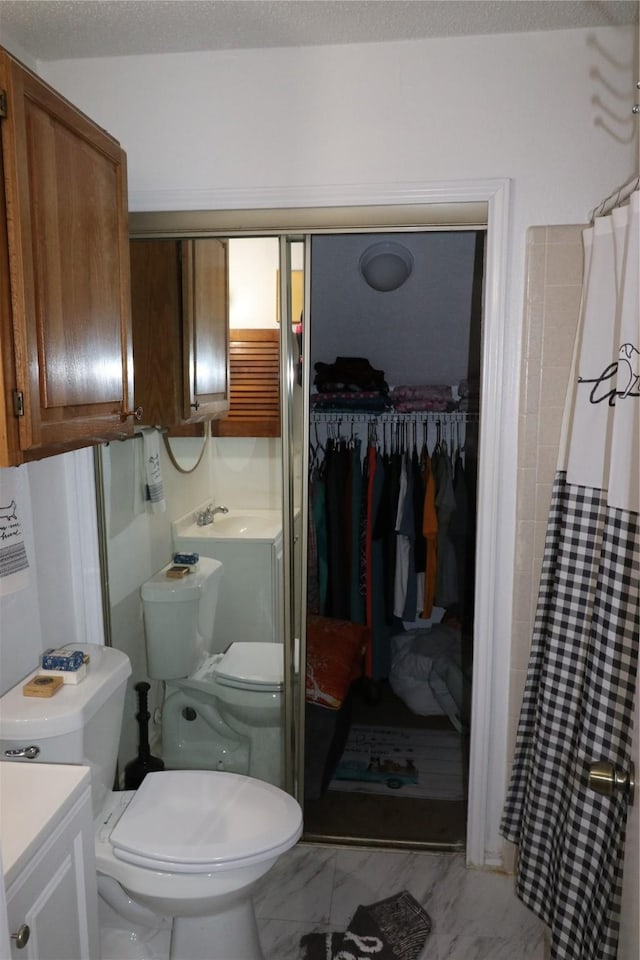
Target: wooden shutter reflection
pixel 254 374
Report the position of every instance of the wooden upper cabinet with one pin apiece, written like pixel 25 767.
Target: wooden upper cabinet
pixel 66 228
pixel 179 293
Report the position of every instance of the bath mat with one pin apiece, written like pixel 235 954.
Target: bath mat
pixel 339 946
pixel 392 929
pixel 403 762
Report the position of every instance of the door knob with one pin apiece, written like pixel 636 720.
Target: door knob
pixel 606 779
pixel 22 936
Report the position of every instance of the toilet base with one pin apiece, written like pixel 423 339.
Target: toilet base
pixel 118 944
pixel 229 934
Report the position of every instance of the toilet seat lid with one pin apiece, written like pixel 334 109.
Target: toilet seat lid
pixel 199 821
pixel 253 666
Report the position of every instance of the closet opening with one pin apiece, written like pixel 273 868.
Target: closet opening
pixel 394 417
pixel 481 206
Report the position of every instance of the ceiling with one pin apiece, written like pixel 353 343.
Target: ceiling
pixel 71 29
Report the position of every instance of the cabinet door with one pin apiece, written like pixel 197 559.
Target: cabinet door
pixel 56 897
pixel 156 303
pixel 9 435
pixel 206 328
pixel 66 205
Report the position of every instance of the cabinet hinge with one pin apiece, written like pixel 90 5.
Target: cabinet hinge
pixel 18 403
pixel 3 104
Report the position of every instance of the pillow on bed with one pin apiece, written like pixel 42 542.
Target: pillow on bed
pixel 335 652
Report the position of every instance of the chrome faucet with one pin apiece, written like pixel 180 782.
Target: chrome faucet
pixel 206 517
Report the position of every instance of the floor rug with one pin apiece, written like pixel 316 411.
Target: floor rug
pixel 402 762
pixel 391 929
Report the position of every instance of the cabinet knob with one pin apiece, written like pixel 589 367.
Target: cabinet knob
pixel 136 414
pixel 22 936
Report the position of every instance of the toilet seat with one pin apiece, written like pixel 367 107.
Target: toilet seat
pixel 202 821
pixel 246 665
pixel 251 665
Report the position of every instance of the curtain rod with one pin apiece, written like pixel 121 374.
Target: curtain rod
pixel 618 197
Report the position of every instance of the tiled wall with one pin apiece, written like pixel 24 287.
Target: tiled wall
pixel 552 302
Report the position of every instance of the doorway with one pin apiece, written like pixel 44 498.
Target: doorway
pixel 394 391
pixel 482 203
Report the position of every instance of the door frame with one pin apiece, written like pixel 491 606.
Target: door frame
pixel 312 208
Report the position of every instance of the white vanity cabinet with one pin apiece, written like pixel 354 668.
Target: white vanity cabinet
pixel 48 861
pixel 250 599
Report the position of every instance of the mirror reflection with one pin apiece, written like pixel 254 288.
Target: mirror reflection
pixel 219 495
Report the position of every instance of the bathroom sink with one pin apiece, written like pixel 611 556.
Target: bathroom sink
pixel 241 525
pixel 236 524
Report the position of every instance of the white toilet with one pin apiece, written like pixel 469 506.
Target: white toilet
pixel 222 709
pixel 187 845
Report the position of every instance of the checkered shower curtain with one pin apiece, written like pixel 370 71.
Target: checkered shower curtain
pixel 579 694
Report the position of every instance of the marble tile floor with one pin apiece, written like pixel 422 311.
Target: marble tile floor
pixel 317 888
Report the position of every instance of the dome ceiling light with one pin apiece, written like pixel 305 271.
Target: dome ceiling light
pixel 385 266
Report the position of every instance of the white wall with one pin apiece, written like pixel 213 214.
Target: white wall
pixel 253 265
pixel 253 304
pixel 416 334
pixel 513 105
pixel 59 600
pixel 20 627
pixel 247 472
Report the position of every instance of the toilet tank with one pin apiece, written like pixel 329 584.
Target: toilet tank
pixel 179 619
pixel 80 723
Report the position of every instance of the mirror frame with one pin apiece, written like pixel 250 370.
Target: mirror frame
pixel 172 457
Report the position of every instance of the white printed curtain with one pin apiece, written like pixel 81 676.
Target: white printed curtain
pixel 578 700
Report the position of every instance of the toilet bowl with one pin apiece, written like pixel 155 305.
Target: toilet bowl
pixel 228 714
pixel 190 845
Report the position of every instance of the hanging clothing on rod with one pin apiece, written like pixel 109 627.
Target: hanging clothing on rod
pixel 390 521
pixel 385 428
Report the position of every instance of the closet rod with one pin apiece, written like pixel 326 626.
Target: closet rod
pixel 417 416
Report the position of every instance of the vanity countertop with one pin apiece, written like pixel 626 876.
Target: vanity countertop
pixel 31 795
pixel 252 524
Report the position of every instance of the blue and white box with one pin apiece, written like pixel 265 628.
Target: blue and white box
pixel 62 659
